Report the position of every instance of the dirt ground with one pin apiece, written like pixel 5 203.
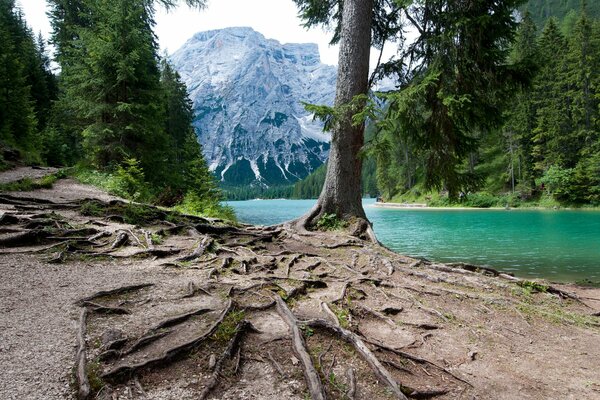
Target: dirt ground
pixel 212 322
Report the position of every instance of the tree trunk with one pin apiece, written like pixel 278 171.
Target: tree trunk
pixel 341 193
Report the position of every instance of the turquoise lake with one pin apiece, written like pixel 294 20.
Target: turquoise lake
pixel 559 245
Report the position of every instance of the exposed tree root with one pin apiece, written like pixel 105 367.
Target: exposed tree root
pixel 206 242
pixel 414 358
pixel 102 309
pixel 120 290
pixel 123 372
pixel 169 322
pixel 313 381
pixel 380 371
pixel 240 331
pixel 121 240
pixel 83 391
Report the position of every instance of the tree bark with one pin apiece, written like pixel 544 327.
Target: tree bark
pixel 341 193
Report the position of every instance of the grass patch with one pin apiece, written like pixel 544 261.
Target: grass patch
pixel 556 313
pixel 533 287
pixel 226 329
pixel 342 315
pixel 93 371
pixel 588 283
pixel 28 184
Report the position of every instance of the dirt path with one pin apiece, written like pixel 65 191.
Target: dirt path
pixel 213 325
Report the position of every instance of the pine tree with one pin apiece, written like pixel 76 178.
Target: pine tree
pixel 458 87
pixel 17 113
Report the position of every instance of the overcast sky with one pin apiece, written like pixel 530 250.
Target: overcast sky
pixel 276 19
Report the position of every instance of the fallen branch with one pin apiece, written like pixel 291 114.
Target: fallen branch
pixel 313 382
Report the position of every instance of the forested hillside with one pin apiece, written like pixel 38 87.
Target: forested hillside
pixel 547 150
pixel 542 10
pixel 549 143
pixel 116 110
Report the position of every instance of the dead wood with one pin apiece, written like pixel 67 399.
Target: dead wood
pixel 126 370
pixel 102 309
pixel 313 381
pixel 120 290
pixel 83 391
pixel 204 244
pixel 213 381
pixel 380 371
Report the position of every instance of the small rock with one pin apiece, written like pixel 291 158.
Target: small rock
pixel 472 355
pixel 212 361
pixel 295 361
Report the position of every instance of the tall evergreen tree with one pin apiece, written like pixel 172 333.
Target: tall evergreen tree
pixel 23 83
pixel 458 85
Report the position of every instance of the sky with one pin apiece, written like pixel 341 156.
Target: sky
pixel 275 19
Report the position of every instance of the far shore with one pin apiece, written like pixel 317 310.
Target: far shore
pixel 422 206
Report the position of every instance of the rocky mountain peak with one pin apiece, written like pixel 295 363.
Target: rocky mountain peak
pixel 248 92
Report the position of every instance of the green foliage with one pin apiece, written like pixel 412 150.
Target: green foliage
pixel 27 184
pixel 533 287
pixel 541 10
pixel 27 86
pixel 331 222
pixel 549 131
pixel 128 181
pixel 196 205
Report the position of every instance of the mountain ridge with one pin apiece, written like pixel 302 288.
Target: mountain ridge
pixel 247 93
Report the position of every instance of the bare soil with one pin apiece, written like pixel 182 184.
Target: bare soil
pixel 212 322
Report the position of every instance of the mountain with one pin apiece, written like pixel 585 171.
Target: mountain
pixel 247 92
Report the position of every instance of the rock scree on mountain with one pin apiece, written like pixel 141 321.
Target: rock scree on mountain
pixel 107 299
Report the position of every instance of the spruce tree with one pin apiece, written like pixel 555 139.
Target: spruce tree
pixel 17 113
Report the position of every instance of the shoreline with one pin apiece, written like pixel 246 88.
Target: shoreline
pixel 420 206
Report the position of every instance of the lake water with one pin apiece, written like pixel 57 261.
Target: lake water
pixel 556 245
